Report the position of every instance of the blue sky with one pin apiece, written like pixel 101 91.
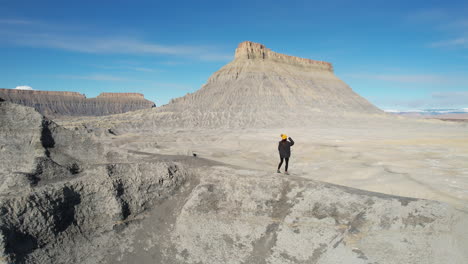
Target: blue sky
pixel 397 54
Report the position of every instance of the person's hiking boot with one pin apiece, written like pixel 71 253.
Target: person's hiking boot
pixel 278 171
pixel 286 172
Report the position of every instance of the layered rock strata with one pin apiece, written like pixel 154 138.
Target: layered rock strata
pixel 63 196
pixel 66 199
pixel 235 217
pixel 262 89
pixel 251 50
pixel 54 104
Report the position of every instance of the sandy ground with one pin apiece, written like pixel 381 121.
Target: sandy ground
pixel 411 161
pixel 237 209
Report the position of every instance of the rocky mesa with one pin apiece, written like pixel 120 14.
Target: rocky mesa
pixel 56 104
pixel 259 88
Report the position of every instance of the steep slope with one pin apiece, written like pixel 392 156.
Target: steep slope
pixel 65 197
pixel 259 88
pixel 263 87
pixel 54 104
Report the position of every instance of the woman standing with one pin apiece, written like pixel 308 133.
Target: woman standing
pixel 284 148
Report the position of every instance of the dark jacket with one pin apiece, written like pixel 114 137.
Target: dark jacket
pixel 284 148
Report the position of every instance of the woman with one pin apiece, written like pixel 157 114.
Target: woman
pixel 284 148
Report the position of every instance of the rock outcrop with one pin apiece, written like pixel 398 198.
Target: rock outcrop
pixel 54 104
pixel 236 216
pixel 260 88
pixel 63 195
pixel 251 50
pixel 65 198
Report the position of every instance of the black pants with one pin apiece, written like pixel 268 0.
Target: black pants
pixel 281 163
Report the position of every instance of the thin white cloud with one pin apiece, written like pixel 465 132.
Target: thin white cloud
pixel 401 103
pixel 452 99
pixel 428 15
pixel 391 110
pixel 175 86
pixel 440 100
pixel 94 77
pixel 24 87
pixel 444 95
pixel 142 69
pixel 123 46
pixel 132 68
pixel 412 78
pixel 460 24
pixel 461 42
pixel 451 21
pixel 215 57
pixel 86 43
pixel 15 22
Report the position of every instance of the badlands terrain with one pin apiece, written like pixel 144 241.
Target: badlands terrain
pixel 195 181
pixel 58 104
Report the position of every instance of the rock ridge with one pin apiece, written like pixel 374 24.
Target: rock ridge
pixel 121 95
pixel 63 195
pixel 251 50
pixel 56 104
pixel 36 92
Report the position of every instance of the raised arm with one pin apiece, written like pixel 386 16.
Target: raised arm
pixel 292 141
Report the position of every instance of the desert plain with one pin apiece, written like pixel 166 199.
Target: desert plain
pixel 425 159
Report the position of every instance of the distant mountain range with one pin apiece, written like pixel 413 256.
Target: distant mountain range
pixel 429 112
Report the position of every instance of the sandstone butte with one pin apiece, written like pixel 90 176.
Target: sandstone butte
pixel 259 88
pixel 262 87
pixel 56 104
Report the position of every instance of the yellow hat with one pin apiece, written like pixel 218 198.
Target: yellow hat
pixel 284 136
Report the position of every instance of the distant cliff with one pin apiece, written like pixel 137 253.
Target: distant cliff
pixel 54 104
pixel 250 50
